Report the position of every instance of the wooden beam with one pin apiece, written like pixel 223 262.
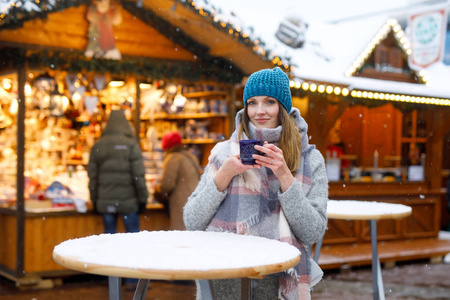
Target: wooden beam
pixel 436 132
pixel 20 178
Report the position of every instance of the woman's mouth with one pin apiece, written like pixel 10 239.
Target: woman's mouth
pixel 262 121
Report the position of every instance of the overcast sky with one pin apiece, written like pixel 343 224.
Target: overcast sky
pixel 317 10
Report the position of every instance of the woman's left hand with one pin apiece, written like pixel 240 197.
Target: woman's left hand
pixel 274 160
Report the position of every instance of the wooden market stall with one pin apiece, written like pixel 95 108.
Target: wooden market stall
pixel 174 47
pixel 388 131
pixel 169 42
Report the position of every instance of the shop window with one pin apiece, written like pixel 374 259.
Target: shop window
pixel 414 128
pixel 388 59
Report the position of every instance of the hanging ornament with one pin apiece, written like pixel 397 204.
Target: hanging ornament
pixel 76 101
pixel 58 104
pixel 99 81
pixel 90 102
pixel 71 80
pixel 5 121
pixel 102 17
pixel 81 90
pixel 151 99
pixel 45 83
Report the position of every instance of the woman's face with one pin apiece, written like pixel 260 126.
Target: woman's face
pixel 263 111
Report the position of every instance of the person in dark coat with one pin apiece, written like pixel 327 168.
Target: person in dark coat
pixel 116 173
pixel 117 178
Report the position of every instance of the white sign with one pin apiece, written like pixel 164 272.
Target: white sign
pixel 333 169
pixel 415 173
pixel 427 35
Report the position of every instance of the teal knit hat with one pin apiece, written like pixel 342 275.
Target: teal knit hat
pixel 269 82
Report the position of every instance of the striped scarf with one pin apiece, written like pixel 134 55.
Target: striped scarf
pixel 252 207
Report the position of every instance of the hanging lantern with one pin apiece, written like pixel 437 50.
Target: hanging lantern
pixel 45 83
pixel 5 121
pixel 58 103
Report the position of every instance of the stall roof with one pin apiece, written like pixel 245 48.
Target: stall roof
pixel 333 43
pixel 199 34
pixel 212 29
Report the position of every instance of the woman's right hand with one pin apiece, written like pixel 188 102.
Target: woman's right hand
pixel 231 167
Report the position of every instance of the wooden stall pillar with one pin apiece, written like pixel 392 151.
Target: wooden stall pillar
pixel 20 179
pixel 321 118
pixel 435 144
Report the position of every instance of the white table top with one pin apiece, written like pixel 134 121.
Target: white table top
pixel 366 210
pixel 173 255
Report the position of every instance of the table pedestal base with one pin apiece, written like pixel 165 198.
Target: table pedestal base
pixel 207 289
pixel 377 279
pixel 115 287
pixel 206 286
pixel 141 289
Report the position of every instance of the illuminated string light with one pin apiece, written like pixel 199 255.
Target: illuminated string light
pixel 400 98
pixel 400 36
pixel 364 94
pixel 337 90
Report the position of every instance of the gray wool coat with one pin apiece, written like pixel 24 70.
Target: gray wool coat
pixel 305 213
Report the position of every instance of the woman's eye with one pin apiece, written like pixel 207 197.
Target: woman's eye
pixel 271 102
pixel 251 102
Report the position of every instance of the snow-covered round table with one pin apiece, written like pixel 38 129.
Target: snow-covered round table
pixel 176 255
pixel 370 211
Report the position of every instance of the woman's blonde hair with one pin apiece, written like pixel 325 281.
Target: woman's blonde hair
pixel 290 142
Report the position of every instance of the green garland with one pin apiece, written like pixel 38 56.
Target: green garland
pixel 17 15
pixel 209 67
pixel 76 61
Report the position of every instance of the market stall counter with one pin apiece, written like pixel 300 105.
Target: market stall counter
pixel 47 227
pixel 347 242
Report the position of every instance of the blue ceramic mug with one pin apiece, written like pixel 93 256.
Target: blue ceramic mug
pixel 247 148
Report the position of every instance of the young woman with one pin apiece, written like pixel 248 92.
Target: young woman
pixel 283 196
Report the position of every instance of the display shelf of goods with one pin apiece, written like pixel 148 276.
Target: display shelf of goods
pixel 182 115
pixel 202 94
pixel 203 120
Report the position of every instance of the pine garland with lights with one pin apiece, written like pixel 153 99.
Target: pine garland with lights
pixel 76 61
pixel 17 14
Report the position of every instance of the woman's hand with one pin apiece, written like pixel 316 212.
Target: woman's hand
pixel 231 167
pixel 274 160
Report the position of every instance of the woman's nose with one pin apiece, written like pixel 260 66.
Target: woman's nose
pixel 260 110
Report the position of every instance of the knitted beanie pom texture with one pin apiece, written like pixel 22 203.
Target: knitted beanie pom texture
pixel 269 82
